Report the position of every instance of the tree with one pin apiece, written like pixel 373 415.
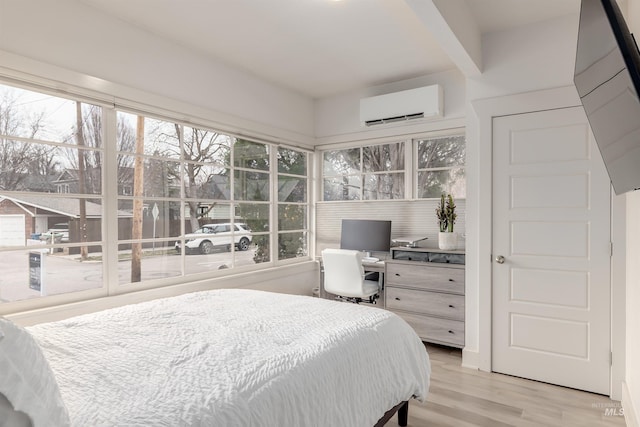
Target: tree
pixel 339 168
pixel 84 252
pixel 126 136
pixel 292 191
pixel 90 160
pixel 444 160
pixel 380 158
pixel 201 149
pixel 251 185
pixel 20 159
pixel 138 190
pixel 92 157
pixel 373 172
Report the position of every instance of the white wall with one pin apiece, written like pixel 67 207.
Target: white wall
pixel 74 36
pixel 534 57
pixel 631 388
pixel 338 118
pixel 632 378
pixel 527 59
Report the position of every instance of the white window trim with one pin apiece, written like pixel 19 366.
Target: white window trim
pixel 410 164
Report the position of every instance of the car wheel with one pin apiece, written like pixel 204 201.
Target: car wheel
pixel 244 244
pixel 206 247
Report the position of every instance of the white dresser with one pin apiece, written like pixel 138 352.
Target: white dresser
pixel 426 288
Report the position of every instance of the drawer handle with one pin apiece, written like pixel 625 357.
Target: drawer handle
pixel 451 280
pixel 397 299
pixel 398 274
pixel 451 332
pixel 451 306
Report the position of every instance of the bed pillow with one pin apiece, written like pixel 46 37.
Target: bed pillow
pixel 9 417
pixel 27 380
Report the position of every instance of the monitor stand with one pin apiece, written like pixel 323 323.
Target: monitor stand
pixel 368 258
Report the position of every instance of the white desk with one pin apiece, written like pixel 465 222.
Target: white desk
pixel 370 267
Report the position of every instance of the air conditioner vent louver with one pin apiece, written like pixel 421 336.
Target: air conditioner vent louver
pixel 394 119
pixel 420 103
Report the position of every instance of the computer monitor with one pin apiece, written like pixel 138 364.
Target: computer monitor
pixel 366 235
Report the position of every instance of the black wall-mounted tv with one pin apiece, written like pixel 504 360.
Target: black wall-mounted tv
pixel 607 77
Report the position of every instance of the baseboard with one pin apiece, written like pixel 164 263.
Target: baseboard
pixel 470 359
pixel 630 412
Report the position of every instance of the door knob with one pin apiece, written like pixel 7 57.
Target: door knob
pixel 500 259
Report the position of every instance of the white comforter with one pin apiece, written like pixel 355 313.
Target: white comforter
pixel 235 358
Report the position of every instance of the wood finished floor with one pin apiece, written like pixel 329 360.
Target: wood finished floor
pixel 465 397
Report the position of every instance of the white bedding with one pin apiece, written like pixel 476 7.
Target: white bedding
pixel 234 358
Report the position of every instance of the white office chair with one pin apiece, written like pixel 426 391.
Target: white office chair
pixel 344 276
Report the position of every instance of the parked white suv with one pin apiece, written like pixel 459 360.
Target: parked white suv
pixel 207 237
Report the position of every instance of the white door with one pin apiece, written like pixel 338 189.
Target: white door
pixel 12 230
pixel 551 251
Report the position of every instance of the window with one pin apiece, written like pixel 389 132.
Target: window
pixel 177 200
pixel 364 173
pixel 51 162
pixel 293 209
pixel 440 167
pixel 150 201
pixel 378 172
pixel 252 191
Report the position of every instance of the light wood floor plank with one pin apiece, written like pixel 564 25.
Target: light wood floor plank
pixel 462 397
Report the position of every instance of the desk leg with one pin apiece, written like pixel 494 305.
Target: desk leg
pixel 381 300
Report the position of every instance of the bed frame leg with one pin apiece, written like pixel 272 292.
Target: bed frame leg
pixel 403 414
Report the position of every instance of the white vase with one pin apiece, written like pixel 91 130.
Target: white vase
pixel 448 241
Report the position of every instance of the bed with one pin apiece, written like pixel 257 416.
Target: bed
pixel 216 358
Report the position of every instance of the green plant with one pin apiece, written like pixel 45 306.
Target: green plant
pixel 446 213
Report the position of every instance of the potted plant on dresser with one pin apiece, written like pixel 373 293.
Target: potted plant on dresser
pixel 446 213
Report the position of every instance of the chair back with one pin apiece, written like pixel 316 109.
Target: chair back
pixel 343 272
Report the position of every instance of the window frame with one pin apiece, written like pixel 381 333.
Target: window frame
pixel 110 196
pixel 362 173
pixel 410 163
pixel 417 171
pixel 306 230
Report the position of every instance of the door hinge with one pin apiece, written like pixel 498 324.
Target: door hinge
pixel 611 358
pixel 610 249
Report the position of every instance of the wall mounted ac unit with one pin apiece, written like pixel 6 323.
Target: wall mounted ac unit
pixel 423 102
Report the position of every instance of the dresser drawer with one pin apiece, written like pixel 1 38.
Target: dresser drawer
pixel 433 329
pixel 425 276
pixel 444 257
pixel 431 303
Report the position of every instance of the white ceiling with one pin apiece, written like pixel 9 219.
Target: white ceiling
pixel 324 47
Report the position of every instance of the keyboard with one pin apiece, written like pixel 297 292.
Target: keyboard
pixel 370 259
